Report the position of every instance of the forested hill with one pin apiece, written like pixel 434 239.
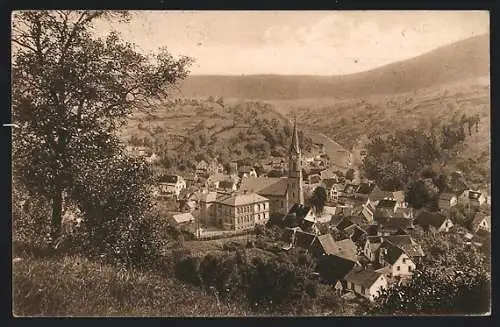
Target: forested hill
pixel 184 131
pixel 461 60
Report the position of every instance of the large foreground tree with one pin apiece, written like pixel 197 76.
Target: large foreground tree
pixel 71 92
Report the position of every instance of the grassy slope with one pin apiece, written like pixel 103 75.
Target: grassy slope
pixel 78 287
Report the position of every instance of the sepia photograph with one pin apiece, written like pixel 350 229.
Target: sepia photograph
pixel 171 163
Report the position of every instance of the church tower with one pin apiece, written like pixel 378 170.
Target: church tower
pixel 295 188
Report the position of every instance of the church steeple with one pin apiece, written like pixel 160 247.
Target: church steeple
pixel 295 187
pixel 294 147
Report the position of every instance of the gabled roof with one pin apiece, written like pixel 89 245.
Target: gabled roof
pixel 426 218
pixel 208 197
pixel 358 235
pixel 183 217
pixel 226 184
pixel 399 196
pixel 365 188
pixel 170 179
pixel 344 223
pixel 394 223
pixel 399 239
pixel 304 239
pixel 279 188
pixel 474 195
pixel 446 196
pixel 412 250
pixel 336 268
pixel 350 188
pixel 327 243
pixel 383 213
pixel 389 204
pixel 244 169
pixel 377 194
pixel 403 212
pixel 329 182
pixel 243 199
pixel 478 219
pixel 256 184
pixel 346 249
pixel 362 277
pixel 393 252
pixel 289 234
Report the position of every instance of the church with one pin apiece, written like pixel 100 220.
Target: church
pixel 283 192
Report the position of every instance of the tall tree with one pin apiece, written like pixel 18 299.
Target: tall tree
pixel 72 91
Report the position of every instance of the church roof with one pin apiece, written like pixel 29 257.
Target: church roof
pixel 294 147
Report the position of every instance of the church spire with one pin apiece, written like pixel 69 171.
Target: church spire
pixel 294 147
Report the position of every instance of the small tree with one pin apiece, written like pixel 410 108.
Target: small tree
pixel 318 198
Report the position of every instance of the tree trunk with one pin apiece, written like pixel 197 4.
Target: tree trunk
pixel 56 216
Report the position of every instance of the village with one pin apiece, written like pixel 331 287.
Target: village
pixel 361 233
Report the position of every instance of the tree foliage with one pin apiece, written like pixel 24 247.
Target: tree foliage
pixel 318 198
pixel 395 159
pixel 456 280
pixel 71 93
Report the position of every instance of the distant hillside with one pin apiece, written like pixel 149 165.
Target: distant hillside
pixel 184 131
pixel 461 60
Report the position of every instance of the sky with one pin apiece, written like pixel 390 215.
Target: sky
pixel 296 42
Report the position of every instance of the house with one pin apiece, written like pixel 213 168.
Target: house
pixel 314 179
pixel 399 197
pixel 330 185
pixel 326 245
pixel 447 200
pixel 350 189
pixel 274 189
pixel 368 211
pixel 372 244
pixel 434 221
pixel 473 198
pixel 480 221
pixel 363 191
pixel 190 178
pixel 208 207
pixel 188 200
pixel 201 167
pixel 213 180
pixel 404 213
pixel 377 194
pixel 333 270
pixel 391 225
pixel 246 171
pixel 328 174
pixel 399 263
pixel 180 219
pixel 228 184
pixel 234 211
pixel 304 240
pixel 152 158
pixel 300 215
pixel 364 282
pixel 171 184
pixel 215 167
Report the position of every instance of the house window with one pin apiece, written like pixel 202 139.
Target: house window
pixel 398 268
pixel 352 286
pixel 409 268
pixel 363 290
pixel 404 260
